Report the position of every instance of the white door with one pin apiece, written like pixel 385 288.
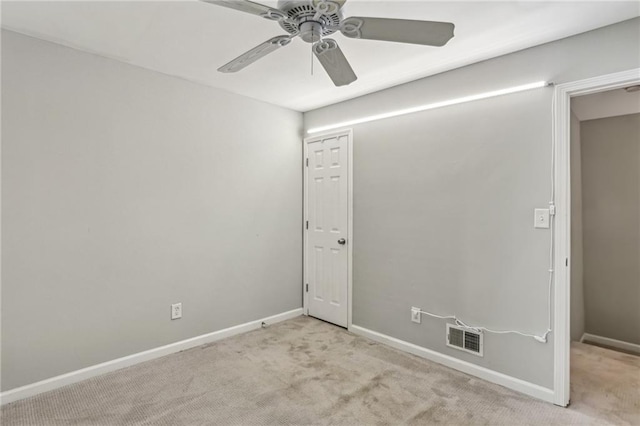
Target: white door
pixel 327 233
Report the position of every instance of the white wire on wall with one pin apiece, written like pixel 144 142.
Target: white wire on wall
pixel 542 338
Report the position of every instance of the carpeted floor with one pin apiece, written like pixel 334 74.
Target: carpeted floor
pixel 304 371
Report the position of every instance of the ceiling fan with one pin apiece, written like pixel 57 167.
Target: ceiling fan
pixel 313 20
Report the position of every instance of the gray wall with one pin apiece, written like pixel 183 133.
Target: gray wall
pixel 444 199
pixel 611 214
pixel 124 191
pixel 577 284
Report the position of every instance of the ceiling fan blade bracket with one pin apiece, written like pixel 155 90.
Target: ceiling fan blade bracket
pixel 351 27
pixel 274 15
pixel 281 40
pixel 324 7
pixel 324 46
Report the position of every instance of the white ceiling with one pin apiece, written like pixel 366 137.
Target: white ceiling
pixel 606 104
pixel 191 39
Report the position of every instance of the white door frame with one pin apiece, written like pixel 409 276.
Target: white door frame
pixel 562 244
pixel 305 298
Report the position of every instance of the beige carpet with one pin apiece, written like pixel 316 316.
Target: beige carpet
pixel 305 371
pixel 605 383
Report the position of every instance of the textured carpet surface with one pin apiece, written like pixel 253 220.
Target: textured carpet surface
pixel 305 371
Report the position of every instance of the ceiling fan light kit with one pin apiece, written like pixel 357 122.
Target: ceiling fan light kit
pixel 314 20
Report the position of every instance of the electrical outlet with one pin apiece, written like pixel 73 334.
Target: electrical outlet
pixel 176 311
pixel 415 315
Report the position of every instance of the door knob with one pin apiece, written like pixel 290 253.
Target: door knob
pixel 342 241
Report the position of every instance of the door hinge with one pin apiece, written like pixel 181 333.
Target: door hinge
pixel 307 226
pixel 307 162
pixel 566 261
pixel 307 288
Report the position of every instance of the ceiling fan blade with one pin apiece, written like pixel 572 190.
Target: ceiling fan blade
pixel 334 62
pixel 256 53
pixel 251 7
pixel 429 33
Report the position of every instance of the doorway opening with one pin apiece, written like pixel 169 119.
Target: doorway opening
pixel 605 250
pixel 597 175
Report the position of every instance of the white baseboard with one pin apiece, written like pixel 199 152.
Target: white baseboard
pixel 116 364
pixel 632 347
pixel 519 385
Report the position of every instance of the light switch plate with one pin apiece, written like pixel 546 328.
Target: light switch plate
pixel 415 315
pixel 541 218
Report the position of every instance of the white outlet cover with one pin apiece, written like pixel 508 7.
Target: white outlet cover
pixel 176 311
pixel 541 218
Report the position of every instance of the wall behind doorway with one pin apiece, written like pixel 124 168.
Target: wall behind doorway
pixel 611 226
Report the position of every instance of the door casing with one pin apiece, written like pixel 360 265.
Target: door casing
pixel 305 218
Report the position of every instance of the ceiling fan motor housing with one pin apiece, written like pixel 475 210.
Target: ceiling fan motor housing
pixel 301 14
pixel 310 31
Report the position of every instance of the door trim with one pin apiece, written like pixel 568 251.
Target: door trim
pixel 562 244
pixel 305 218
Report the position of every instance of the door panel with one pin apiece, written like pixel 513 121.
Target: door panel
pixel 327 198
